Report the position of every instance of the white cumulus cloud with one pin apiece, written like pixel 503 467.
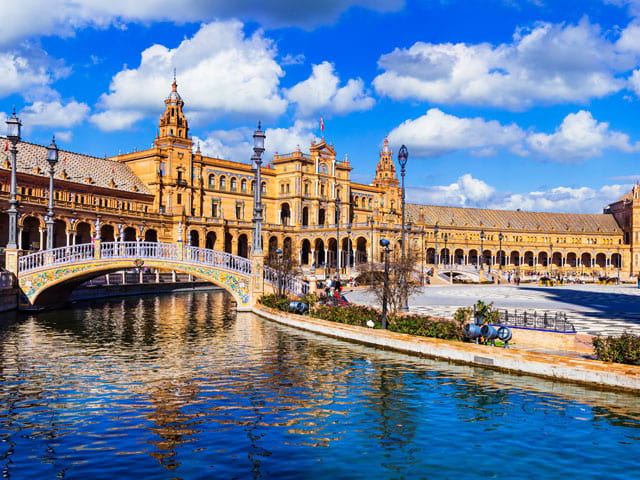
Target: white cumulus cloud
pixel 437 133
pixel 237 144
pixel 580 136
pixel 65 17
pixel 220 71
pixel 549 63
pixel 468 191
pixel 321 93
pixel 54 114
pixel 577 138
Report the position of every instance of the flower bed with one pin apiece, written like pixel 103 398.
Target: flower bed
pixel 424 326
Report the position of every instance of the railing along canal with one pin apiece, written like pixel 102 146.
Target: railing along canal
pixel 288 282
pixel 557 322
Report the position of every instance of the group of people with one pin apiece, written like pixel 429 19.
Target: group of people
pixel 332 286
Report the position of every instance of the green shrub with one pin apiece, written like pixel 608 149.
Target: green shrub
pixel 350 314
pixel 310 299
pixel 275 301
pixel 426 327
pixel 623 349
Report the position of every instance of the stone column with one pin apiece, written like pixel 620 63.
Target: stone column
pixel 41 239
pixel 20 238
pixel 257 277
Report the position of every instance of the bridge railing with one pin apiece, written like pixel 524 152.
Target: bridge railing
pixel 167 251
pixel 56 256
pixel 289 283
pixel 215 258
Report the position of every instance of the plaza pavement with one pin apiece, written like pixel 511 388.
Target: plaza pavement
pixel 593 309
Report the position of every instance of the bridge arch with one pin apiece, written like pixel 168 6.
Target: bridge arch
pixel 49 277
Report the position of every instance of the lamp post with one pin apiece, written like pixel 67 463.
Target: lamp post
pixel 619 265
pixel 403 156
pixel 52 158
pixel 338 237
pixel 446 252
pixel 551 260
pixel 500 254
pixel 256 159
pixel 435 255
pixel 279 256
pixel 13 134
pixel 370 219
pixel 422 261
pixel 384 243
pixel 481 249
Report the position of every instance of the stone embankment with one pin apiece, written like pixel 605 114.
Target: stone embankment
pixel 517 360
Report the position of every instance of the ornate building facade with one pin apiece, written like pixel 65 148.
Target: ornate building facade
pixel 311 208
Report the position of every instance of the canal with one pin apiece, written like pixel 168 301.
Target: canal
pixel 180 387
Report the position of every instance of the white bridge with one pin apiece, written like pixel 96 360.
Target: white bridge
pixel 48 276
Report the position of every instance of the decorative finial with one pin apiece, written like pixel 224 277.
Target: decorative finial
pixel 198 147
pixel 174 75
pixel 14 110
pixel 259 125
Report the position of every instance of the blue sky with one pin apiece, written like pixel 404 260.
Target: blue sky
pixel 529 104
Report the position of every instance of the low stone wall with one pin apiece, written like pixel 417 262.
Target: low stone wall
pixel 547 340
pixel 592 372
pixel 8 299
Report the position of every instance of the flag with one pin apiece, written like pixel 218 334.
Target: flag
pixel 321 124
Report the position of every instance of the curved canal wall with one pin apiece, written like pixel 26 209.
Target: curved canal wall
pixel 580 370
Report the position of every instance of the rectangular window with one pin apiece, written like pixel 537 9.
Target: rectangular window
pixel 179 199
pixel 215 209
pixel 238 210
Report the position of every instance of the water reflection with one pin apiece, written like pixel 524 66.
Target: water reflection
pixel 178 385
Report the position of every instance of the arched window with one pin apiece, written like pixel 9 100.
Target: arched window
pixel 212 181
pixel 355 202
pixel 253 185
pixel 370 204
pixel 243 185
pixel 223 182
pixel 264 188
pixel 234 184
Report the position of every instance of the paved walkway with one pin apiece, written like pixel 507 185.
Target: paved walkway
pixel 593 309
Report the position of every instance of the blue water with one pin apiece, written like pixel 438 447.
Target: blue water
pixel 178 387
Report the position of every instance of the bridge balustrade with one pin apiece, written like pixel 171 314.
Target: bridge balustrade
pixel 167 251
pixel 217 259
pixel 290 283
pixel 56 256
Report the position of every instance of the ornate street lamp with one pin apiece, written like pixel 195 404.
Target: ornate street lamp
pixel 551 260
pixel 435 255
pixel 422 259
pixel 256 160
pixel 13 134
pixel 500 254
pixel 481 249
pixel 446 252
pixel 52 158
pixel 279 256
pixel 370 220
pixel 384 243
pixel 338 237
pixel 403 156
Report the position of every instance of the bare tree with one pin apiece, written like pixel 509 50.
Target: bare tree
pixel 286 266
pixel 395 288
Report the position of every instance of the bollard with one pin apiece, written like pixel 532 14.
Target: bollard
pixel 504 334
pixel 489 333
pixel 298 307
pixel 472 330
